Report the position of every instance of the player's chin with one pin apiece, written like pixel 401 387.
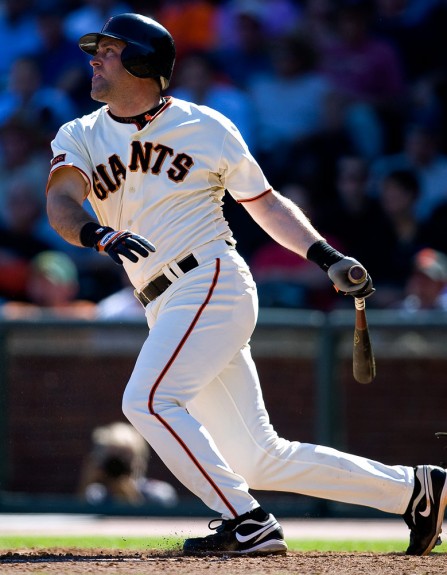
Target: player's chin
pixel 99 88
pixel 98 95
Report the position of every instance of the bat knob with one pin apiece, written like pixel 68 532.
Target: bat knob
pixel 357 274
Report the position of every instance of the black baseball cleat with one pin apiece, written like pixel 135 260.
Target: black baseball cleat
pixel 253 533
pixel 426 509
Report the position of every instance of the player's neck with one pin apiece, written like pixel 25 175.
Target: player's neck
pixel 141 119
pixel 136 103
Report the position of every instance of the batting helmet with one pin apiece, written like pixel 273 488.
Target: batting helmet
pixel 149 51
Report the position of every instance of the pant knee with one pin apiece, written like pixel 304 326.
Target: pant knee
pixel 136 403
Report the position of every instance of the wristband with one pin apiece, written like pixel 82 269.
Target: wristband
pixel 322 254
pixel 88 234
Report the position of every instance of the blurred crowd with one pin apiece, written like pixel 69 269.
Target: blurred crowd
pixel 343 103
pixel 116 469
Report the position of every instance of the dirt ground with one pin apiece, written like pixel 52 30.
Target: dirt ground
pixel 97 562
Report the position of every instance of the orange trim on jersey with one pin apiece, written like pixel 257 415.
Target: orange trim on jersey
pixel 162 109
pixel 255 198
pixel 160 378
pixel 83 174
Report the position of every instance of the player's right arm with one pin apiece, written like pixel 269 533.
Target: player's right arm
pixel 66 193
pixel 286 223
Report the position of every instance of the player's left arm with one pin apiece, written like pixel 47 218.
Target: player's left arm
pixel 287 224
pixel 284 221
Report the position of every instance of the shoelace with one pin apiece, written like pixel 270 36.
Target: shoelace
pixel 224 524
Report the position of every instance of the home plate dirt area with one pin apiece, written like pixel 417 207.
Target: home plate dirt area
pixel 75 561
pixel 96 561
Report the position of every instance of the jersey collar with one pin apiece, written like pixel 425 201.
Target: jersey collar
pixel 141 120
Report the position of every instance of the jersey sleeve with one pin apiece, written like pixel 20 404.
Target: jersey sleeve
pixel 68 150
pixel 241 174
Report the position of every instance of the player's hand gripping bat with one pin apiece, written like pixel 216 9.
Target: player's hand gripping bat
pixel 363 362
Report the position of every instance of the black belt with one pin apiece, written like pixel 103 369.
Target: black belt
pixel 161 283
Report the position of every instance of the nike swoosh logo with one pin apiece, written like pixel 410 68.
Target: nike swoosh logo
pixel 245 538
pixel 428 494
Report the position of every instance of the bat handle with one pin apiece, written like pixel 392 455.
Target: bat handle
pixel 359 303
pixel 357 274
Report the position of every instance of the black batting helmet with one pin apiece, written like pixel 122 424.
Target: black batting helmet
pixel 150 49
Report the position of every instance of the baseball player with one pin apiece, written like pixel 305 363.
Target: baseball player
pixel 155 170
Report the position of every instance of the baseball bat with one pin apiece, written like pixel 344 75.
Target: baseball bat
pixel 363 362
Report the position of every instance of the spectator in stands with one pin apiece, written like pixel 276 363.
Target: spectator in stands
pixel 355 218
pixel 62 65
pixel 192 24
pixel 91 15
pixel 248 54
pixel 25 232
pixel 52 288
pixel 289 104
pixel 421 152
pixel 434 228
pixel 277 18
pixel 399 195
pixel 416 29
pixel 318 21
pixel 426 287
pixel 365 73
pixel 22 154
pixel 197 81
pixel 425 103
pixel 19 239
pixel 27 97
pixel 116 467
pixel 24 160
pixel 18 32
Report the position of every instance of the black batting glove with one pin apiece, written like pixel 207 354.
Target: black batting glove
pixel 123 243
pixel 338 266
pixel 115 243
pixel 339 275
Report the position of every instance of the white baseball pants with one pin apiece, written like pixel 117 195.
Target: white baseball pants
pixel 195 396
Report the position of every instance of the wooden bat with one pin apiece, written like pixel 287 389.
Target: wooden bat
pixel 363 362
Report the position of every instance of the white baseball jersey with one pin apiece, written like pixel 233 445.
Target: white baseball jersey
pixel 194 392
pixel 162 182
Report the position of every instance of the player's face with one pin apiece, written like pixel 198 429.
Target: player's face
pixel 110 78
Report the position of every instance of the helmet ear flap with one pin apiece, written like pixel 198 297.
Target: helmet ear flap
pixel 137 61
pixel 142 62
